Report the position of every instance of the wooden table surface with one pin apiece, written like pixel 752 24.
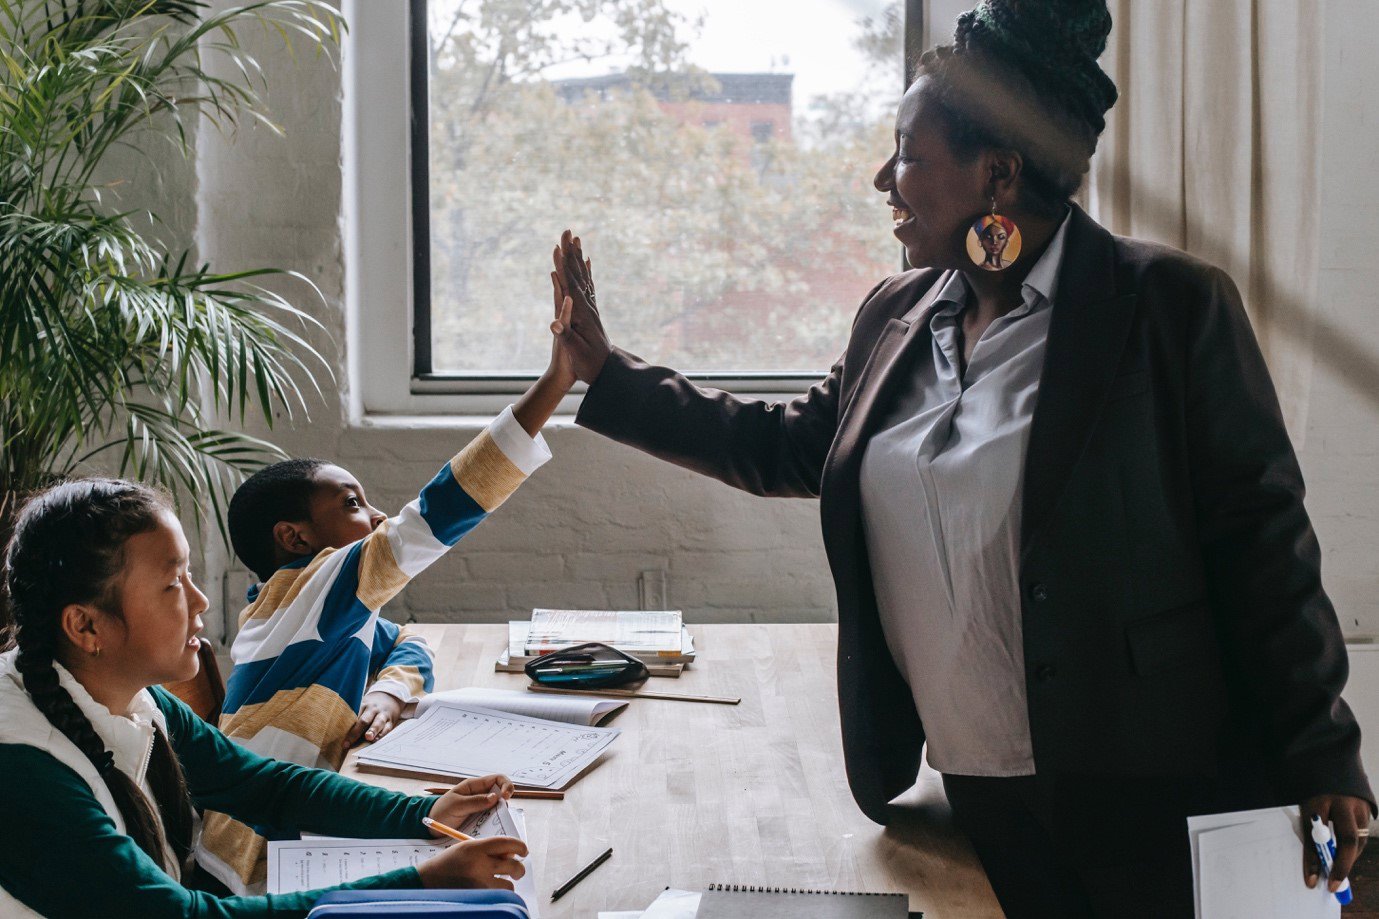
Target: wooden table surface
pixel 693 793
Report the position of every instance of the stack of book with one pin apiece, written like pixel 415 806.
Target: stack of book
pixel 658 638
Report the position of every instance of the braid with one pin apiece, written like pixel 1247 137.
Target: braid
pixel 169 786
pixel 56 704
pixel 67 548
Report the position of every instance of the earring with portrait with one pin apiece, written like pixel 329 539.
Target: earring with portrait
pixel 993 241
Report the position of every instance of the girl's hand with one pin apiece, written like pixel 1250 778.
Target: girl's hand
pixel 472 796
pixel 476 863
pixel 578 329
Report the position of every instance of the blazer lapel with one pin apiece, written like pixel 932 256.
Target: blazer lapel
pixel 840 507
pixel 1087 336
pixel 877 381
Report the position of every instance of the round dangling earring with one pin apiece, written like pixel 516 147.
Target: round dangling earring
pixel 993 242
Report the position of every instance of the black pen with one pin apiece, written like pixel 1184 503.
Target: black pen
pixel 563 889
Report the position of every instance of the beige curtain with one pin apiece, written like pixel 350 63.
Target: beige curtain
pixel 1214 147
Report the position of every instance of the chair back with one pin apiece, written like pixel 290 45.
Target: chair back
pixel 205 692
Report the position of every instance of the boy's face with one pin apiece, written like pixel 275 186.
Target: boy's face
pixel 340 515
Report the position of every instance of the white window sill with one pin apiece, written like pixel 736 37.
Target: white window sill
pixel 457 422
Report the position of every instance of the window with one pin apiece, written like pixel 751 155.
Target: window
pixel 715 156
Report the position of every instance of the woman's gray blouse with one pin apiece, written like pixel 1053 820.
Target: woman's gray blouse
pixel 941 488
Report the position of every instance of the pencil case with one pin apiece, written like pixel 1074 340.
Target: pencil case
pixel 419 904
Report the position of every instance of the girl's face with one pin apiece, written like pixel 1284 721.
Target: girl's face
pixel 154 639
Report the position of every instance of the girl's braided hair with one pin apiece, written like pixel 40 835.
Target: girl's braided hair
pixel 1023 75
pixel 68 547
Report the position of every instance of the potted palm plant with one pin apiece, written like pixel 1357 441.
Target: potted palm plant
pixel 114 349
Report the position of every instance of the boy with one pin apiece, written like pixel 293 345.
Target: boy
pixel 316 667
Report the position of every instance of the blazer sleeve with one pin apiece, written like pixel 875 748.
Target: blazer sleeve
pixel 1261 557
pixel 774 449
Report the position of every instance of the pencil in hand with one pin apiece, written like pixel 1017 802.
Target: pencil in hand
pixel 437 827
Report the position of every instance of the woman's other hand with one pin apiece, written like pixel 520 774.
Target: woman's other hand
pixel 470 797
pixel 487 862
pixel 1349 816
pixel 578 329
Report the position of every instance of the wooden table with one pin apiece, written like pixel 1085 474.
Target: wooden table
pixel 694 793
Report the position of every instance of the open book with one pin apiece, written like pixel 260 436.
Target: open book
pixel 454 738
pixel 569 709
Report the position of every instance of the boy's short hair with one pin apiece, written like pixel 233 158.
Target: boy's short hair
pixel 275 493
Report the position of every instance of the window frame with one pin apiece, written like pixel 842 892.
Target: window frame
pixel 387 229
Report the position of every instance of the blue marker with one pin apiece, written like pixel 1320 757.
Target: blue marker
pixel 1326 851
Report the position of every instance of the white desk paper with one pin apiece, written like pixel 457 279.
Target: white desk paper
pixel 1248 865
pixel 325 861
pixel 454 741
pixel 580 710
pixel 671 904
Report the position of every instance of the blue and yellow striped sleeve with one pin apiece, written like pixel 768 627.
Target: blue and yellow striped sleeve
pixel 402 662
pixel 465 491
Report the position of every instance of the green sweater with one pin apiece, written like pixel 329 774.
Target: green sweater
pixel 63 856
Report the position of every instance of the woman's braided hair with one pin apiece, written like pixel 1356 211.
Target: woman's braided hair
pixel 68 547
pixel 1023 75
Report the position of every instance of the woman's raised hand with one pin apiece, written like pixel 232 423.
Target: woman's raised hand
pixel 487 862
pixel 582 344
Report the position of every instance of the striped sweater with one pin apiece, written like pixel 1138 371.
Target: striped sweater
pixel 311 637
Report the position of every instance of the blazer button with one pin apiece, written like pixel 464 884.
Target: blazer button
pixel 1045 672
pixel 1039 593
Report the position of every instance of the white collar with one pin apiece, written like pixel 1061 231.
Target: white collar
pixel 1043 277
pixel 1039 285
pixel 129 737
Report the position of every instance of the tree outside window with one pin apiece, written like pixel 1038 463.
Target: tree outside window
pixel 731 220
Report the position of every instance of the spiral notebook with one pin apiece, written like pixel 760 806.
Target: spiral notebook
pixel 735 901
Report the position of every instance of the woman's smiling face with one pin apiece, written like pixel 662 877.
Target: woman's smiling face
pixel 934 194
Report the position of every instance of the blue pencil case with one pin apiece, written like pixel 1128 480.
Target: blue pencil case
pixel 419 904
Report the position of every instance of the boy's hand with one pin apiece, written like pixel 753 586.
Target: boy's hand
pixel 560 371
pixel 472 796
pixel 487 862
pixel 379 713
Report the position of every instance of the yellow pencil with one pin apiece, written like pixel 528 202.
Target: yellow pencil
pixel 444 830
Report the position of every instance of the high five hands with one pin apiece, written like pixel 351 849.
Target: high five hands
pixel 581 345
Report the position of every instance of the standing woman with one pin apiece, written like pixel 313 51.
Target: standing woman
pixel 1063 516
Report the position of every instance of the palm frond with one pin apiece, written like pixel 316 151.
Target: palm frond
pixel 114 346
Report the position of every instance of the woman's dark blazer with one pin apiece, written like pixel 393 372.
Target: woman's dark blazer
pixel 1173 615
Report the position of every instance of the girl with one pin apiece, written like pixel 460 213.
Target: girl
pixel 102 767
